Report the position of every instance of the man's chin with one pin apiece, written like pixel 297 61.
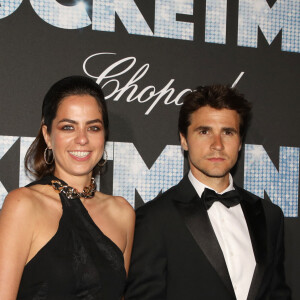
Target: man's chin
pixel 216 174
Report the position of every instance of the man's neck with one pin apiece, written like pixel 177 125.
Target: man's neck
pixel 218 184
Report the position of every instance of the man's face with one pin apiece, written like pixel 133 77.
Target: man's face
pixel 213 142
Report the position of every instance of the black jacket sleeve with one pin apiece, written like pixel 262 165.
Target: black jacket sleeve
pixel 147 273
pixel 278 288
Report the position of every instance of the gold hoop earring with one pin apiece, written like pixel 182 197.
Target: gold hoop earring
pixel 45 156
pixel 105 157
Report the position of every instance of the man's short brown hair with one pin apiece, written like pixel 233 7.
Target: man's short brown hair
pixel 216 96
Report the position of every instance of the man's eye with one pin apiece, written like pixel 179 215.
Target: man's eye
pixel 228 132
pixel 203 131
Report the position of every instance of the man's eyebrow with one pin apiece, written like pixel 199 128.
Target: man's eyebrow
pixel 230 129
pixel 202 128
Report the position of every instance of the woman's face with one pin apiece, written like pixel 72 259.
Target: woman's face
pixel 77 136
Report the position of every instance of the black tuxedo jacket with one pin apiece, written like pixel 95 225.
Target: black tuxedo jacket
pixel 176 255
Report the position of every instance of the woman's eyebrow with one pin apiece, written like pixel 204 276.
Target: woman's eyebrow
pixel 94 121
pixel 68 121
pixel 75 122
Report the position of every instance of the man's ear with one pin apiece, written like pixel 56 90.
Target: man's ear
pixel 46 136
pixel 183 142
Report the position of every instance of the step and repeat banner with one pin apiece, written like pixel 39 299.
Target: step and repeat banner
pixel 146 55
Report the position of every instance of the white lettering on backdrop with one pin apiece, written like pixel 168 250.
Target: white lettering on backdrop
pixel 112 75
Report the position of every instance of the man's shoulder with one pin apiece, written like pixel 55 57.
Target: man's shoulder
pixel 161 203
pixel 266 204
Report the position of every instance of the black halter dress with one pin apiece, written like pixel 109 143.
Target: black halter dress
pixel 79 261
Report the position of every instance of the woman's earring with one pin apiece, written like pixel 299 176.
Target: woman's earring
pixel 105 157
pixel 46 156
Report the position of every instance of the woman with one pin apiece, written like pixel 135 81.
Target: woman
pixel 59 238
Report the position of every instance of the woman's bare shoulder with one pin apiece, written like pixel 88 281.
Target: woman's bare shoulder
pixel 20 198
pixel 24 200
pixel 18 218
pixel 119 203
pixel 117 206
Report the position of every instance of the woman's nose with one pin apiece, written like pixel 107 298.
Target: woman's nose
pixel 82 138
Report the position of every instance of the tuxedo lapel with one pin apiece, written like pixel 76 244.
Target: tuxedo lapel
pixel 195 216
pixel 255 218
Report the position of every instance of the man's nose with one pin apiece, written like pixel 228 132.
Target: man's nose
pixel 217 143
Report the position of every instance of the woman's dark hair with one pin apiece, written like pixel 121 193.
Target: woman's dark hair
pixel 69 86
pixel 218 97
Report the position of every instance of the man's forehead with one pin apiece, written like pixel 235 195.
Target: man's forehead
pixel 208 115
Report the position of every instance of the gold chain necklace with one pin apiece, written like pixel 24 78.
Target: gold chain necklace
pixel 71 193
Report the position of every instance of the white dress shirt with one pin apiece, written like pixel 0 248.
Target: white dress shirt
pixel 231 229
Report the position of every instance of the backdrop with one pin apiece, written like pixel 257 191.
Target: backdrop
pixel 146 54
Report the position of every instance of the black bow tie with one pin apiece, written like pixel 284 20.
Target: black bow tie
pixel 228 199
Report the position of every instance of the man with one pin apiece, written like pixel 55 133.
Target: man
pixel 193 243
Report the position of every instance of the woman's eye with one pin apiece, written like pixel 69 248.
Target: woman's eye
pixel 67 127
pixel 94 128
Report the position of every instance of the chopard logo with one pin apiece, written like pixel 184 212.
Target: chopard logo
pixel 111 77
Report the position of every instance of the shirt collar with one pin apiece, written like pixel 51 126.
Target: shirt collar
pixel 199 186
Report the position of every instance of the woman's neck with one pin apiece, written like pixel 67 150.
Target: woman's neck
pixel 78 182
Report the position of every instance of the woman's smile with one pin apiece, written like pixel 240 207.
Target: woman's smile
pixel 80 155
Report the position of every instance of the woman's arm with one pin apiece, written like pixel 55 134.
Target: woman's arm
pixel 130 224
pixel 16 234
